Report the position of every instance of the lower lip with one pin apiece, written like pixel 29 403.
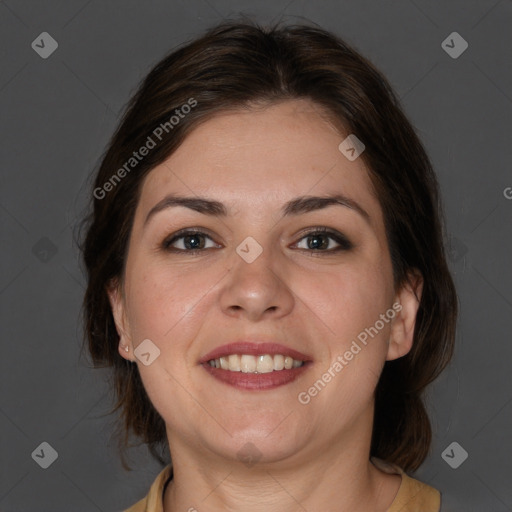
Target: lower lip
pixel 257 381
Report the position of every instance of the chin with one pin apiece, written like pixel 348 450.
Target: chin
pixel 262 442
pixel 251 451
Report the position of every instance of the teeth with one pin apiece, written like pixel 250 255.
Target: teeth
pixel 234 363
pixel 265 364
pixel 278 362
pixel 255 364
pixel 248 364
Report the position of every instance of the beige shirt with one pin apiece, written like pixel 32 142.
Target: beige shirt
pixel 412 496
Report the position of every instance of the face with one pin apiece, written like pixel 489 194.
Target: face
pixel 260 274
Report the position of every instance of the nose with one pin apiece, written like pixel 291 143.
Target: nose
pixel 258 289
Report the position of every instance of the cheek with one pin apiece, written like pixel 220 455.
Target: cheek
pixel 159 299
pixel 350 299
pixel 170 304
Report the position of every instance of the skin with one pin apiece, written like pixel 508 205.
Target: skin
pixel 315 455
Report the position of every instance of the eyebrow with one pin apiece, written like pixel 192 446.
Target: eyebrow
pixel 297 206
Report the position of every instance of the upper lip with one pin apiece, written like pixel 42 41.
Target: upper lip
pixel 253 348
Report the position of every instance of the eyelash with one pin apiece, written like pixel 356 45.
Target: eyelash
pixel 344 243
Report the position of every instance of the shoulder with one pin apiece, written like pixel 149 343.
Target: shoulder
pixel 153 502
pixel 413 495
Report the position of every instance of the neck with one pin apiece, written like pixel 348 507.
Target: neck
pixel 338 476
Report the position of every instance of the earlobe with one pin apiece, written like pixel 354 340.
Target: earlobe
pixel 117 306
pixel 402 327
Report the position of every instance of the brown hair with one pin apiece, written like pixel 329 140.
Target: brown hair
pixel 232 66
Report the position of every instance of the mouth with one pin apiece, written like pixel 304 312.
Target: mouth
pixel 255 366
pixel 248 363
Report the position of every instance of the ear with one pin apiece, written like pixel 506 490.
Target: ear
pixel 117 304
pixel 406 304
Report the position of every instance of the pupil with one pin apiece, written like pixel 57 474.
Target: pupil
pixel 315 245
pixel 191 245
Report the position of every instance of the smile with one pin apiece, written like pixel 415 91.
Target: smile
pixel 247 363
pixel 255 366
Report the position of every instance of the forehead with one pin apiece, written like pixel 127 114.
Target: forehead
pixel 261 157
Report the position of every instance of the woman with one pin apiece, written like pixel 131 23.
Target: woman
pixel 267 278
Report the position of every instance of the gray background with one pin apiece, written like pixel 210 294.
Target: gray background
pixel 56 117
